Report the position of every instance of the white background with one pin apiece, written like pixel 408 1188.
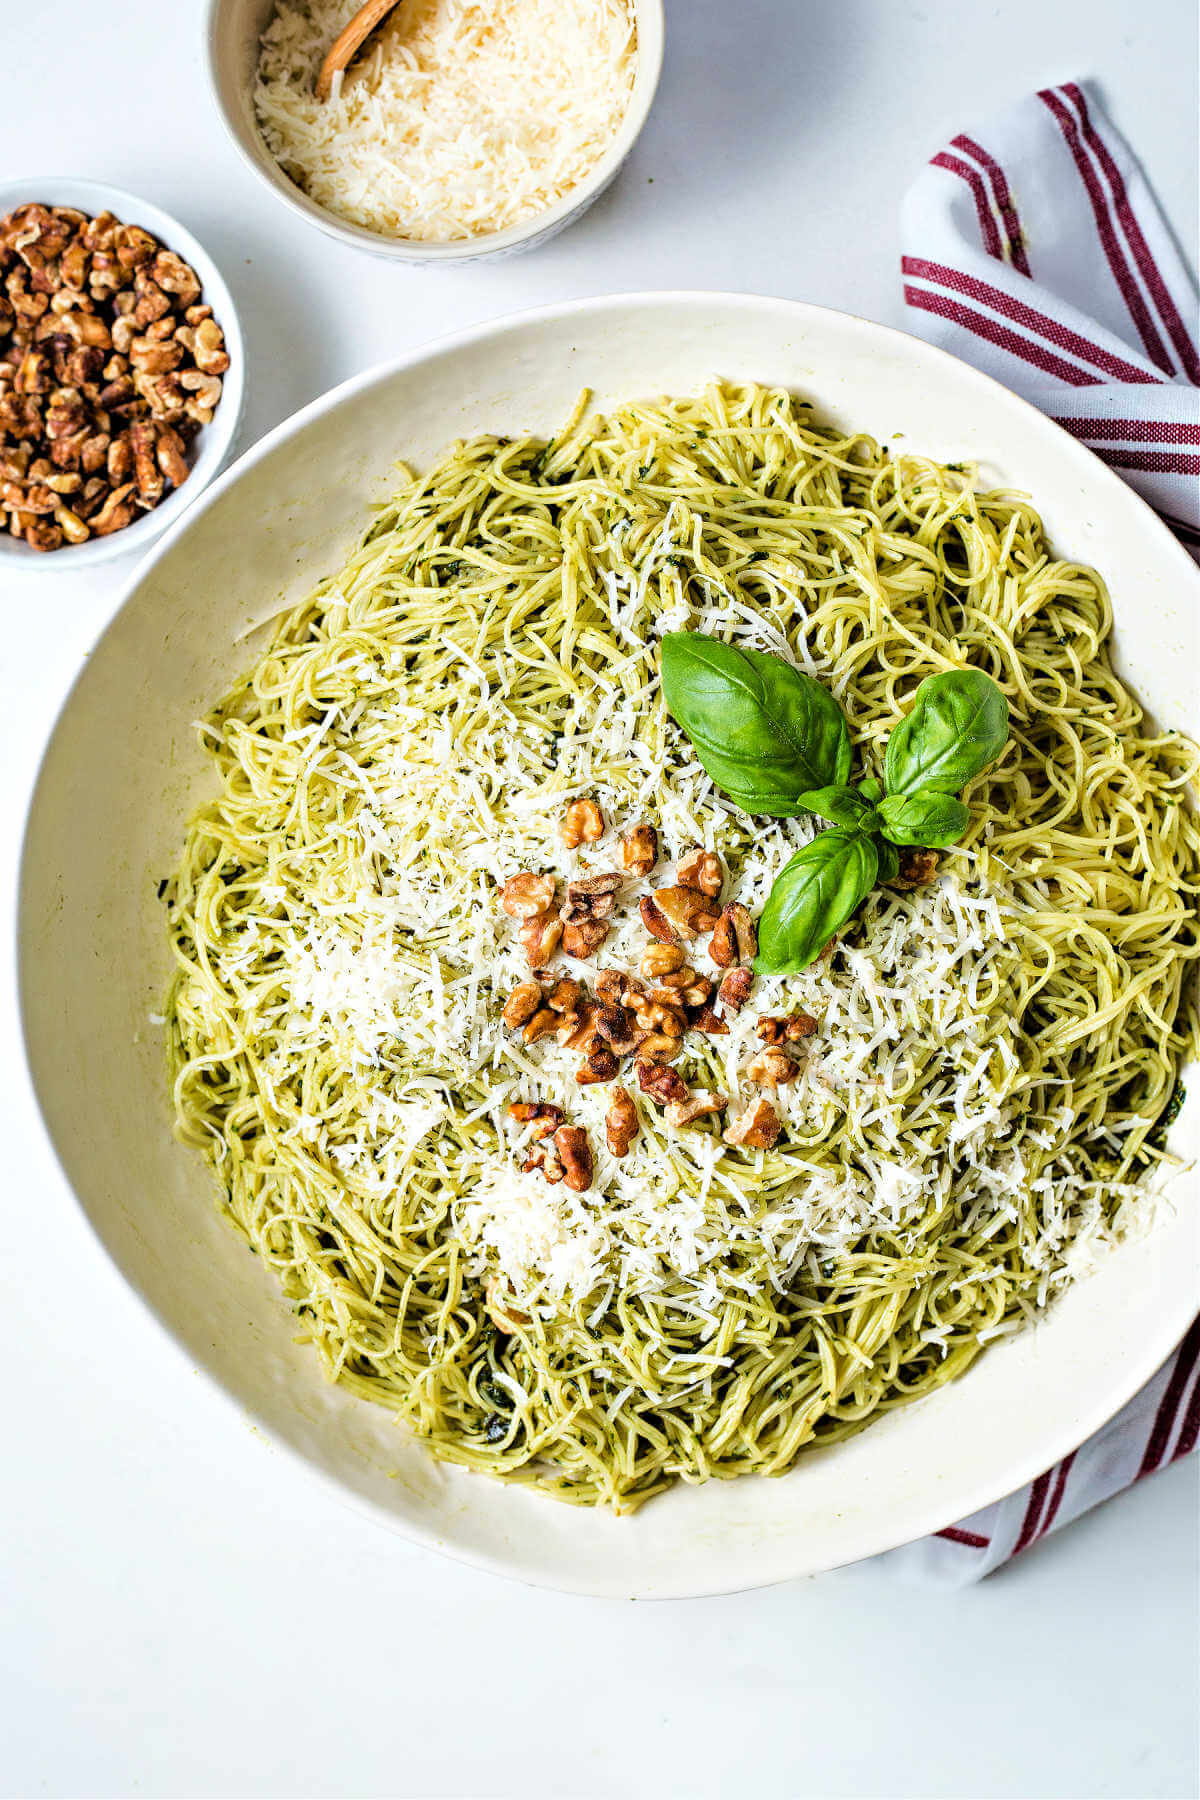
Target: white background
pixel 179 1612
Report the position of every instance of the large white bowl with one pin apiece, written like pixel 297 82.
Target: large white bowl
pixel 233 31
pixel 123 769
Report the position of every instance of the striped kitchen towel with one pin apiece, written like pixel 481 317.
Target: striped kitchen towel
pixel 1034 249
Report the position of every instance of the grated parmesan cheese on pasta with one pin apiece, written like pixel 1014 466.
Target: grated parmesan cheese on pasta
pixel 911 1098
pixel 459 118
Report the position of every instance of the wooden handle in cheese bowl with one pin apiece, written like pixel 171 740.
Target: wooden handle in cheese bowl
pixel 349 42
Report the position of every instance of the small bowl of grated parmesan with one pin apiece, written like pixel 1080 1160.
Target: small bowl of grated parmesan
pixel 462 129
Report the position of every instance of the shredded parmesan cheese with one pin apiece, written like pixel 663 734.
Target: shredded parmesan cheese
pixel 460 118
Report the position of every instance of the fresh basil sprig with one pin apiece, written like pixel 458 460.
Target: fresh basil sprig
pixel 775 741
pixel 764 731
pixel 957 726
pixel 934 821
pixel 842 806
pixel 813 895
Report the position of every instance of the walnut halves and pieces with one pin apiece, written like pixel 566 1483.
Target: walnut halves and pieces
pixel 109 364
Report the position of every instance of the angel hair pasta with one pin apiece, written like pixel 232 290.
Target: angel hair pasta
pixel 992 1054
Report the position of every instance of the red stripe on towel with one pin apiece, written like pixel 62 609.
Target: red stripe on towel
pixel 1056 1497
pixel 957 1535
pixel 1134 431
pixel 983 211
pixel 1000 335
pixel 1189 359
pixel 1004 201
pixel 1168 1406
pixel 1021 314
pixel 1122 274
pixel 1033 1513
pixel 1150 462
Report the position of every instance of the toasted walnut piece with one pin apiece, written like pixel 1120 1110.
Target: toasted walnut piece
pixel 564 996
pixel 544 1117
pixel 145 466
pixel 590 898
pixel 66 413
pixel 582 823
pixel 584 937
pixel 119 462
pixel 656 922
pixel 571 1142
pixel 94 453
pixel 661 959
pixel 657 1047
pixel 498 1299
pixel 33 375
pixel 690 912
pixel 43 534
pixel 709 1022
pixel 772 1068
pixel 175 276
pixel 655 1014
pixel 757 1128
pixel 616 1026
pixel 86 328
pixel 616 988
pixel 135 246
pixel 598 1065
pixel 204 392
pixel 151 304
pixel 578 1030
pixel 540 937
pixel 71 525
pixel 595 887
pixel 82 366
pixel 525 895
pixel 544 1156
pixel 639 850
pixel 696 1106
pixel 660 1083
pixel 116 513
pixel 917 868
pixel 787 1030
pixel 701 869
pixel 522 1003
pixel 735 938
pixel 171 460
pixel 689 988
pixel 94 490
pixel 208 348
pixel 542 1024
pixel 620 1122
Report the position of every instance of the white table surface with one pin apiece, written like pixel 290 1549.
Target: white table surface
pixel 180 1614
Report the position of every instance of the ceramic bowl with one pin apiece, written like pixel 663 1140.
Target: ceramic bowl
pixel 123 769
pixel 213 442
pixel 234 29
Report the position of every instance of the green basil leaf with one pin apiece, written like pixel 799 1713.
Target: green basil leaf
pixel 871 789
pixel 957 726
pixel 889 860
pixel 764 731
pixel 812 897
pixel 934 821
pixel 842 805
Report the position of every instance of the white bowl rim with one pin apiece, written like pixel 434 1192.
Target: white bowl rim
pixel 651 20
pixel 216 439
pixel 1051 1448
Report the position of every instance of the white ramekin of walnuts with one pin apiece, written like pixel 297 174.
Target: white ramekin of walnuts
pixel 121 371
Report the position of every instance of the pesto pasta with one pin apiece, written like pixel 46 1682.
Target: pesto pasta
pixel 980 1107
